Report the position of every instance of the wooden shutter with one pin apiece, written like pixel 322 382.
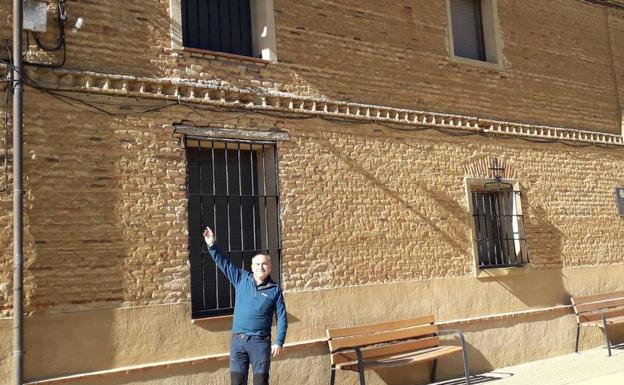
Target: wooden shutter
pixel 487 217
pixel 467 29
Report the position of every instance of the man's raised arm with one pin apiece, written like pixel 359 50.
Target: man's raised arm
pixel 232 272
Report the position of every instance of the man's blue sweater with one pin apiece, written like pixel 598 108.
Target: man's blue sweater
pixel 255 304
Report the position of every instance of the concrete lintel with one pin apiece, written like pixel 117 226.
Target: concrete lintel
pixel 230 133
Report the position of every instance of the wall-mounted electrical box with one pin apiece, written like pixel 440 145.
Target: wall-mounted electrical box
pixel 619 197
pixel 35 15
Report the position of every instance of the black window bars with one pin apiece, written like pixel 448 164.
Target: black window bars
pixel 499 227
pixel 233 188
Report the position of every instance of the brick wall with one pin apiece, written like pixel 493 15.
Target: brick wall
pixel 363 207
pixel 105 205
pixel 105 209
pixel 556 56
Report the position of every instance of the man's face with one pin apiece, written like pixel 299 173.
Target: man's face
pixel 261 267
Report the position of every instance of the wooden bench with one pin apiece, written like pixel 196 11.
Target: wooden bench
pixel 600 310
pixel 391 344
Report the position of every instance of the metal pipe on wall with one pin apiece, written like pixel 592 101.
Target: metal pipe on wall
pixel 18 258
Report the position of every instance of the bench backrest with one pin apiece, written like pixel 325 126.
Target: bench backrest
pixel 406 335
pixel 588 308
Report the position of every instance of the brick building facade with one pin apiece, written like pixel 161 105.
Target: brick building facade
pixel 377 125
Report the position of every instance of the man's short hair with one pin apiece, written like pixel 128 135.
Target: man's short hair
pixel 263 255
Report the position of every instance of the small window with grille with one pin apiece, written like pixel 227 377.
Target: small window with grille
pixel 498 224
pixel 473 30
pixel 233 188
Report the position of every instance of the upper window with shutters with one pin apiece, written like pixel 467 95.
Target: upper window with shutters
pixel 473 32
pixel 237 27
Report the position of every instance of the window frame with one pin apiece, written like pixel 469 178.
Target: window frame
pixel 478 184
pixel 263 37
pixel 269 234
pixel 490 33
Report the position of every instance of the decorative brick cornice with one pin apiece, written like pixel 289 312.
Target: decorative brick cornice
pixel 221 94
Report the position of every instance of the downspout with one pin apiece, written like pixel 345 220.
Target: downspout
pixel 18 258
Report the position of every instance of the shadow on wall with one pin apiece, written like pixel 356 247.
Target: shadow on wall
pixel 212 373
pixel 544 284
pixel 545 235
pixel 457 240
pixel 74 245
pixel 498 333
pixel 294 367
pixel 225 324
pixel 449 367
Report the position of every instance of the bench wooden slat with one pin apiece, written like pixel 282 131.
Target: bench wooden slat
pixel 595 306
pixel 393 335
pixel 597 297
pixel 387 350
pixel 380 327
pixel 615 317
pixel 405 359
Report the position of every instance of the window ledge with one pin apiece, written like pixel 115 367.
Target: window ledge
pixel 503 271
pixel 212 319
pixel 226 55
pixel 478 63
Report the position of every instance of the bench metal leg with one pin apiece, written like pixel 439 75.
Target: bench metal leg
pixel 360 365
pixel 332 379
pixel 578 335
pixel 465 356
pixel 434 368
pixel 606 331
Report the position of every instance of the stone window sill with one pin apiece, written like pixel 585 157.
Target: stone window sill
pixel 206 320
pixel 205 52
pixel 502 272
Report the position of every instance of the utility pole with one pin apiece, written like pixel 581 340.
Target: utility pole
pixel 18 195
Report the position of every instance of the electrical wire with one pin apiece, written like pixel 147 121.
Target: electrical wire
pixel 92 106
pixel 606 3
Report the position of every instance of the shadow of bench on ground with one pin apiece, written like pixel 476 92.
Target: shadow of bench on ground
pixel 618 347
pixel 478 379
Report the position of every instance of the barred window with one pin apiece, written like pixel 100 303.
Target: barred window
pixel 498 226
pixel 233 188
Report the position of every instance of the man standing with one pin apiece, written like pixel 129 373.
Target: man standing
pixel 257 298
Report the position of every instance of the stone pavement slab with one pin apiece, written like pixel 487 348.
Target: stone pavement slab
pixel 589 367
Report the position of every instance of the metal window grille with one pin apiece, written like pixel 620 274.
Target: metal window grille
pixel 233 188
pixel 499 229
pixel 217 25
pixel 467 24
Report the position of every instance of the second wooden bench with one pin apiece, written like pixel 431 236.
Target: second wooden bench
pixel 388 344
pixel 600 310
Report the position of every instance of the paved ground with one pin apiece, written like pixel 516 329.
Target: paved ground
pixel 590 367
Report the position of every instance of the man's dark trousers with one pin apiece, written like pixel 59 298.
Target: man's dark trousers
pixel 250 350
